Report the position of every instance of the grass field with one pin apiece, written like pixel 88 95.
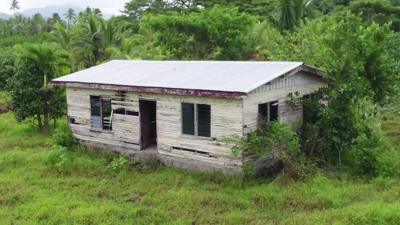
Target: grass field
pixel 32 193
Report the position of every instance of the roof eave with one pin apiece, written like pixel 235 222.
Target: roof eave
pixel 313 70
pixel 301 68
pixel 152 90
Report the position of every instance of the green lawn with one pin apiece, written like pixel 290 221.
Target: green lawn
pixel 31 193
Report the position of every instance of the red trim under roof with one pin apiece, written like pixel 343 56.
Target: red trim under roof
pixel 153 90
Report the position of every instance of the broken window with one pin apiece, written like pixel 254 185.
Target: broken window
pixel 196 119
pixel 101 111
pixel 123 111
pixel 267 112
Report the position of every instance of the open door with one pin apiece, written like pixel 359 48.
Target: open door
pixel 148 124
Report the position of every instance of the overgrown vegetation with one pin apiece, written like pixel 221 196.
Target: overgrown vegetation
pixel 356 42
pixel 35 191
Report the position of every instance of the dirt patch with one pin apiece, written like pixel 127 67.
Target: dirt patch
pixel 4 108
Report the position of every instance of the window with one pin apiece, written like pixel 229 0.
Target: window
pixel 123 111
pixel 267 112
pixel 100 110
pixel 196 119
pixel 120 111
pixel 188 118
pixel 203 120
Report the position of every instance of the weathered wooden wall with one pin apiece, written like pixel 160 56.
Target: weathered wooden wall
pixel 226 120
pixel 125 131
pixel 278 90
pixel 229 117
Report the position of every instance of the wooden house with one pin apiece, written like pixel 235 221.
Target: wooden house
pixel 179 111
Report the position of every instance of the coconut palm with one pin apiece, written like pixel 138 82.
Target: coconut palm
pixel 70 16
pixel 62 35
pixel 14 5
pixel 89 44
pixel 292 13
pixel 111 32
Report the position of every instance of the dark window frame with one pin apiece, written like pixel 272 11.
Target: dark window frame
pixel 201 123
pixel 101 100
pixel 268 112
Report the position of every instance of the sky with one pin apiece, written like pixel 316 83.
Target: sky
pixel 109 6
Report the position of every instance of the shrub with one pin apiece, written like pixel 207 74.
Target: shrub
pixel 59 159
pixel 370 153
pixel 274 143
pixel 63 136
pixel 372 156
pixel 118 164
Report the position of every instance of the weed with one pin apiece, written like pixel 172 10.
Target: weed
pixel 63 136
pixel 118 164
pixel 59 159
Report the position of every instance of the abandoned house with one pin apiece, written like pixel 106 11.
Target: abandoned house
pixel 179 111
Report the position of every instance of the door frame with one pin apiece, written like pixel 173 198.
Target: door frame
pixel 143 145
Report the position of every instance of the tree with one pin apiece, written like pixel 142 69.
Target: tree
pixel 292 13
pixel 358 64
pixel 71 17
pixel 38 24
pixel 62 36
pixel 89 44
pixel 378 11
pixel 14 5
pixel 55 18
pixel 214 33
pixel 137 8
pixel 6 66
pixel 288 18
pixel 40 62
pixel 265 41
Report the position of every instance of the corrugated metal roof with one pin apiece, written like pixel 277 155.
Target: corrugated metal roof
pixel 227 76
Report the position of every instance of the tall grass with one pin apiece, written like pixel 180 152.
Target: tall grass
pixel 4 98
pixel 31 192
pixel 392 130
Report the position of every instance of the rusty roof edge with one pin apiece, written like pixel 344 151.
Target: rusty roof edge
pixel 153 90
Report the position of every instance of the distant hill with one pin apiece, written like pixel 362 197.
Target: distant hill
pixel 49 10
pixel 4 16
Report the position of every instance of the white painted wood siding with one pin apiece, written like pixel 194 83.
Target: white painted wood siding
pixel 125 132
pixel 226 120
pixel 278 90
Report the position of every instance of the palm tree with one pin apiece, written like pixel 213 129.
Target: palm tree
pixel 61 35
pixel 288 18
pixel 292 13
pixel 49 60
pixel 14 5
pixel 89 41
pixel 111 32
pixel 71 17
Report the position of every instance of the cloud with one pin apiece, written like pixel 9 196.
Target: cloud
pixel 108 6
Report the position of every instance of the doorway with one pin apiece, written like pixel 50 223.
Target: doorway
pixel 148 123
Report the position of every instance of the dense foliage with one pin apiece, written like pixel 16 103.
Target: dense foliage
pixel 355 41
